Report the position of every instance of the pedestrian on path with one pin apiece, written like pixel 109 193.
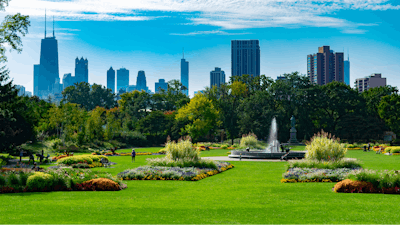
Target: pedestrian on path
pixel 133 154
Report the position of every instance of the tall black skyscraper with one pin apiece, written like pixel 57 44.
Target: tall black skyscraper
pixel 46 73
pixel 81 70
pixel 111 79
pixel 245 57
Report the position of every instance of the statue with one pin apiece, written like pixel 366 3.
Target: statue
pixel 293 131
pixel 293 121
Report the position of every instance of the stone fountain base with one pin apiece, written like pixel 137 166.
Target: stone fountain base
pixel 267 155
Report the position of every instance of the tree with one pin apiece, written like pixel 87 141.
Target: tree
pixel 15 128
pixel 201 114
pixel 113 124
pixel 134 106
pixel 94 125
pixel 174 98
pixel 333 103
pixel 89 97
pixel 389 111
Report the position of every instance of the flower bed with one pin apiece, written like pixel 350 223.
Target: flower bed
pixel 305 163
pixel 294 175
pixel 55 180
pixel 172 173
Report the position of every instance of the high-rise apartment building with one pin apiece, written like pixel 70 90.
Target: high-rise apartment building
pixel 122 79
pixel 185 75
pixel 217 77
pixel 47 71
pixel 160 85
pixel 111 79
pixel 141 81
pixel 245 57
pixel 81 70
pixel 347 70
pixel 374 80
pixel 325 66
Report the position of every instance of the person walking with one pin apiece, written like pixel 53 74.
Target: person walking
pixel 133 154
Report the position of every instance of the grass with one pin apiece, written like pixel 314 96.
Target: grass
pixel 249 193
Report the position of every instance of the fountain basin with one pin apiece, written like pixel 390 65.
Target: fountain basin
pixel 267 155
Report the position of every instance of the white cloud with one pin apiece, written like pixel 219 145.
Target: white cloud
pixel 219 32
pixel 226 14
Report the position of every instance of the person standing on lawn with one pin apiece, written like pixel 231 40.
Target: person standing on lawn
pixel 133 154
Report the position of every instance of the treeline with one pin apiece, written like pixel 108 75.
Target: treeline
pixel 90 115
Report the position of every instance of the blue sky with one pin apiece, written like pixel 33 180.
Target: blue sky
pixel 149 35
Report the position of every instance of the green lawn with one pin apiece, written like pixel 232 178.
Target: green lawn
pixel 249 193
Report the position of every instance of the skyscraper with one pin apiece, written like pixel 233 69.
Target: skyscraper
pixel 81 70
pixel 141 81
pixel 122 79
pixel 325 66
pixel 245 57
pixel 68 80
pixel 36 79
pixel 347 70
pixel 111 79
pixel 160 85
pixel 217 77
pixel 185 75
pixel 48 70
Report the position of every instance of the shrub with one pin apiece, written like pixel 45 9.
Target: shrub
pixel 393 149
pixel 39 181
pixel 3 162
pixel 134 138
pixel 88 159
pixel 323 146
pixel 183 150
pixel 102 184
pixel 2 181
pixel 351 186
pixel 13 179
pixel 249 140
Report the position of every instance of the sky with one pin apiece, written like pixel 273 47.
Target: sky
pixel 150 35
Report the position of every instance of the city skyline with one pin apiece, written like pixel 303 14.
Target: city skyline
pixel 368 31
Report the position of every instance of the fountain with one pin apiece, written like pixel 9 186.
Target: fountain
pixel 273 151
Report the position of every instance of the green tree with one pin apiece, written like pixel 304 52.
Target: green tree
pixel 89 97
pixel 174 98
pixel 94 125
pixel 113 124
pixel 389 111
pixel 15 126
pixel 134 106
pixel 202 116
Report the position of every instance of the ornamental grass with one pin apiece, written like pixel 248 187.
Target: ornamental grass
pixel 325 147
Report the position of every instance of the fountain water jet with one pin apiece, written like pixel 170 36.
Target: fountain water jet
pixel 272 151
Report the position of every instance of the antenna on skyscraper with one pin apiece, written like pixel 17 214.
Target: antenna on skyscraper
pixel 44 23
pixel 53 27
pixel 183 53
pixel 348 55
